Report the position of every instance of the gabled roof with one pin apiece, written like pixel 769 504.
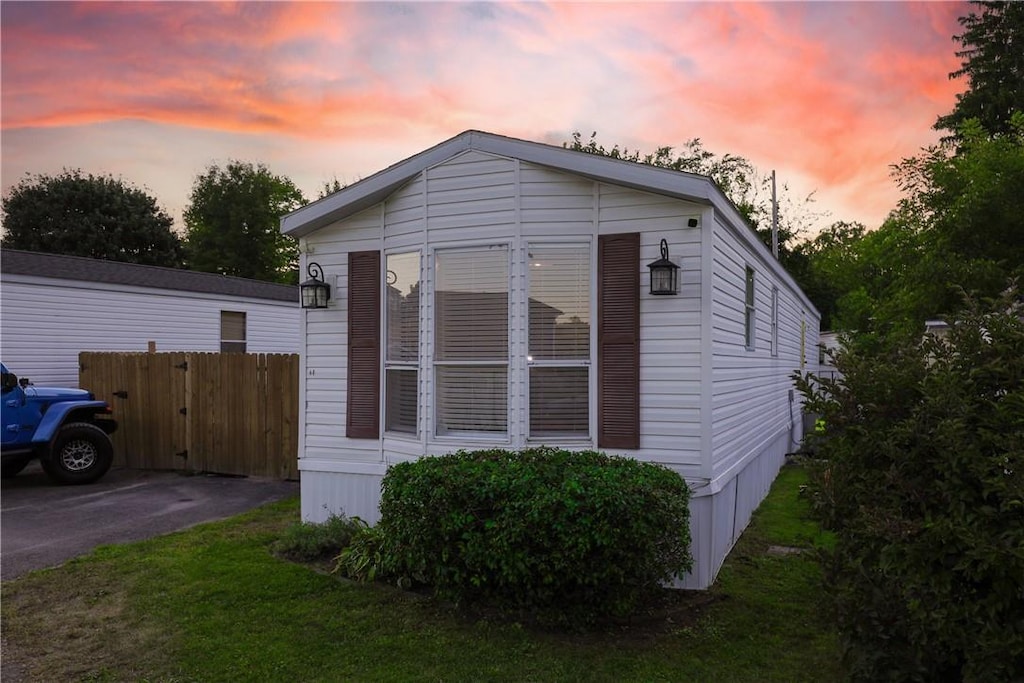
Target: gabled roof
pixel 14 261
pixel 377 187
pixel 644 177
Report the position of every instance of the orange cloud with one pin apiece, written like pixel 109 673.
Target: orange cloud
pixel 830 92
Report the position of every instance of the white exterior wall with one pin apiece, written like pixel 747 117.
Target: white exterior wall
pixel 755 413
pixel 46 322
pixel 714 412
pixel 477 198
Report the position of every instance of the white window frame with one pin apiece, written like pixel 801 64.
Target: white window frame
pixel 433 363
pixel 750 307
pixel 387 363
pixel 775 321
pixel 245 333
pixel 589 362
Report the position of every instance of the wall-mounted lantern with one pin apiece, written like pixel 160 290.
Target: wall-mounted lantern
pixel 664 273
pixel 315 291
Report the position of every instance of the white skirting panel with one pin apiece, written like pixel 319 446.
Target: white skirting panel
pixel 716 521
pixel 355 495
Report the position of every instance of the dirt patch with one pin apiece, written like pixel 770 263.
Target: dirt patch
pixel 63 626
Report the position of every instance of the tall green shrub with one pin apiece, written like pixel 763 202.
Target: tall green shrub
pixel 561 536
pixel 922 478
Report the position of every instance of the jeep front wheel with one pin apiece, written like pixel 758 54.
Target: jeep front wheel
pixel 82 453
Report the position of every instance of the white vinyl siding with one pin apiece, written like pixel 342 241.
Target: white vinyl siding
pixel 712 410
pixel 752 401
pixel 45 323
pixel 324 371
pixel 474 200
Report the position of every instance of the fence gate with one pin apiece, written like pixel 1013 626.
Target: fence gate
pixel 229 413
pixel 147 394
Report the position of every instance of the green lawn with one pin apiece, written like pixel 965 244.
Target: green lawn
pixel 212 604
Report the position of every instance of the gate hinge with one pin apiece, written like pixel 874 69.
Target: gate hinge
pixel 182 454
pixel 121 394
pixel 183 366
pixel 183 411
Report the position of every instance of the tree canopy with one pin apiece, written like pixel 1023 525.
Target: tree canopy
pixel 993 62
pixel 747 188
pixel 88 215
pixel 232 223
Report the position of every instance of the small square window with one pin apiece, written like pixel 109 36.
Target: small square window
pixel 232 332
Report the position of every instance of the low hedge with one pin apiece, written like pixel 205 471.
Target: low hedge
pixel 562 536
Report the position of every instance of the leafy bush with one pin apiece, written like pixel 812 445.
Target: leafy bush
pixel 560 536
pixel 923 482
pixel 363 558
pixel 312 542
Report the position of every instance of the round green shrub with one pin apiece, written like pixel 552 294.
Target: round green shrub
pixel 564 537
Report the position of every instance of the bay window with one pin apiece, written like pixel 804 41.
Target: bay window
pixel 471 341
pixel 402 335
pixel 559 340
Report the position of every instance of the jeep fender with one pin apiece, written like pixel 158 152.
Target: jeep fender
pixel 56 415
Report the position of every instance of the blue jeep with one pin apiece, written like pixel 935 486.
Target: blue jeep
pixel 67 429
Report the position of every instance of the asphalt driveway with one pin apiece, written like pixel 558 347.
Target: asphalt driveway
pixel 44 525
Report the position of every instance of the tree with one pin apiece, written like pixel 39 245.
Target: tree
pixel 959 229
pixel 831 265
pixel 93 216
pixel 748 189
pixel 920 475
pixel 331 186
pixel 232 223
pixel 993 62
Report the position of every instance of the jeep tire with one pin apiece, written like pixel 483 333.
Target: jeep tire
pixel 81 454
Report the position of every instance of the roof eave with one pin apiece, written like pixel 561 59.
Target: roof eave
pixel 376 188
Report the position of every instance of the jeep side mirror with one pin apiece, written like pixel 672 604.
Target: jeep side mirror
pixel 23 382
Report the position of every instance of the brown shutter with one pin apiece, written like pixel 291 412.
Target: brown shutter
pixel 618 341
pixel 363 418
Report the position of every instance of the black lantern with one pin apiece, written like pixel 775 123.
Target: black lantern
pixel 315 292
pixel 664 274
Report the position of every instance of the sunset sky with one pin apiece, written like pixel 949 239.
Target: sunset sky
pixel 828 94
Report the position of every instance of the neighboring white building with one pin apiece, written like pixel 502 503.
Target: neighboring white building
pixel 52 307
pixel 493 292
pixel 829 343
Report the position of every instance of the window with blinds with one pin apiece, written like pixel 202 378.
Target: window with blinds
pixel 748 310
pixel 775 321
pixel 402 333
pixel 559 340
pixel 232 332
pixel 471 293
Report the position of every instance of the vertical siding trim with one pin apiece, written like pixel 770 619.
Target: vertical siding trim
pixel 303 357
pixel 707 358
pixel 618 333
pixel 362 419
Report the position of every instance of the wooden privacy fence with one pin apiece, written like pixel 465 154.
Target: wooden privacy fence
pixel 229 413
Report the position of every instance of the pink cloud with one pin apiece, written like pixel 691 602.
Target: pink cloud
pixel 832 92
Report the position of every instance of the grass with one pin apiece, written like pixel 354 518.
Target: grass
pixel 213 604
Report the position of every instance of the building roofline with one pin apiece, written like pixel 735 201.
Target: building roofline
pixel 64 267
pixel 376 188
